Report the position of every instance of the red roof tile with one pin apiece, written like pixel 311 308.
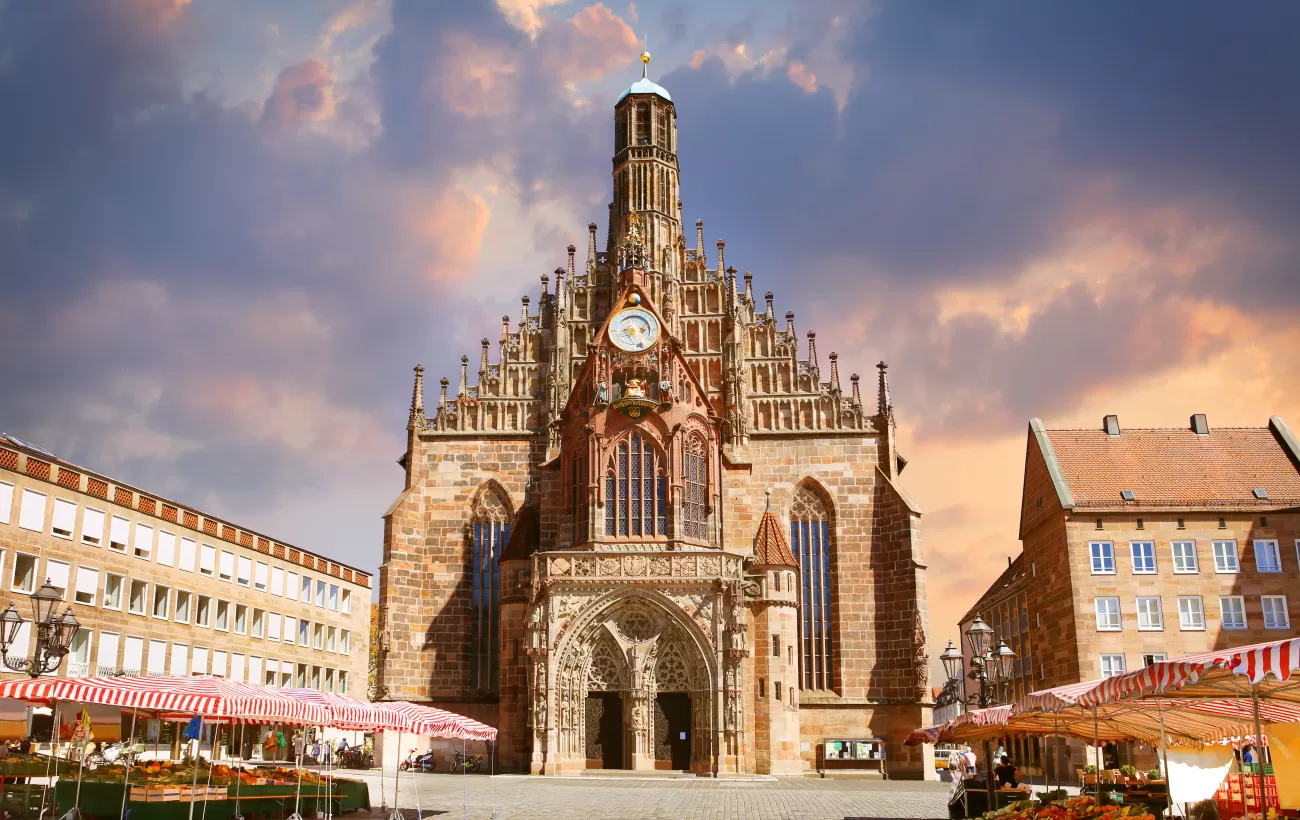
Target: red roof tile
pixel 1177 469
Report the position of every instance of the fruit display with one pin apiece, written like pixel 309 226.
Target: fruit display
pixel 1075 808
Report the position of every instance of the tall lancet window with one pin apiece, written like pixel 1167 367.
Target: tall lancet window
pixel 696 484
pixel 636 490
pixel 810 537
pixel 491 531
pixel 578 488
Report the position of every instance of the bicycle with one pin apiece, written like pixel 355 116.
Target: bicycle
pixel 472 763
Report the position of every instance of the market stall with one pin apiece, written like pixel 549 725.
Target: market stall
pixel 1190 706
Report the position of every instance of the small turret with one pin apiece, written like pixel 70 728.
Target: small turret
pixel 417 399
pixel 835 372
pixel 463 389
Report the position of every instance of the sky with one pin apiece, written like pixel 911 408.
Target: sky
pixel 230 228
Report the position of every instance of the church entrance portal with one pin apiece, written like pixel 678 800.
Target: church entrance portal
pixel 604 730
pixel 673 735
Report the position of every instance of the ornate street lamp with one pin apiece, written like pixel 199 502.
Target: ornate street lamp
pixel 991 665
pixel 54 633
pixel 978 635
pixel 952 662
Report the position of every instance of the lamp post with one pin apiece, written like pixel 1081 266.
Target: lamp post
pixel 991 665
pixel 54 633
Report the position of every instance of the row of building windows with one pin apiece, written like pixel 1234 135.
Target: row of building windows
pixel 137 655
pixel 182 607
pixel 164 548
pixel 1191 613
pixel 1184 558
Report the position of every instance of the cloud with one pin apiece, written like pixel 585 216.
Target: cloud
pixel 591 44
pixel 304 93
pixel 526 15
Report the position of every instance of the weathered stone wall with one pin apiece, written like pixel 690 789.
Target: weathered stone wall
pixel 425 578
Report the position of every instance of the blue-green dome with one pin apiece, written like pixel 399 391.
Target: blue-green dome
pixel 644 86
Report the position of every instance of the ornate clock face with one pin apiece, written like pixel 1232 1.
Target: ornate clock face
pixel 634 329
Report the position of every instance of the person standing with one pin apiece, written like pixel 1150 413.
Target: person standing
pixel 968 761
pixel 1006 774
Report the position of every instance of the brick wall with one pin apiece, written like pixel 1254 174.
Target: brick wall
pixel 426 575
pixel 844 471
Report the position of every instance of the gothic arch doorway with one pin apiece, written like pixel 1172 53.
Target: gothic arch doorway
pixel 634 688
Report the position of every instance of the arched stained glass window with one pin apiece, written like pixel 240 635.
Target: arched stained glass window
pixel 636 490
pixel 491 531
pixel 696 483
pixel 810 537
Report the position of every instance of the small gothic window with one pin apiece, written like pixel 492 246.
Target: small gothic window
pixel 661 128
pixel 491 530
pixel 620 131
pixel 636 490
pixel 581 500
pixel 810 536
pixel 696 483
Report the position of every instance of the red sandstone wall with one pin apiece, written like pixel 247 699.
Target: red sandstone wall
pixel 425 579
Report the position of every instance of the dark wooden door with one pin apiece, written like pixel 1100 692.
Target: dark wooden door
pixel 605 729
pixel 676 709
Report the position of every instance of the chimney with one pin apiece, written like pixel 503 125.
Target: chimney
pixel 1200 426
pixel 1111 425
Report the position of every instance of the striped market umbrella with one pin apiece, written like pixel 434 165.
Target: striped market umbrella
pixel 204 695
pixel 430 721
pixel 348 713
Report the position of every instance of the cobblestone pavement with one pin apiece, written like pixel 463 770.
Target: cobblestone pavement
pixel 518 797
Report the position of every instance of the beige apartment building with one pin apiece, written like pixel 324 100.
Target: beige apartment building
pixel 161 588
pixel 1140 545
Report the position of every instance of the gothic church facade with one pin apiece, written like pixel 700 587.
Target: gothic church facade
pixel 656 534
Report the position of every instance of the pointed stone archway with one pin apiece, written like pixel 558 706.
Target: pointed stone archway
pixel 623 653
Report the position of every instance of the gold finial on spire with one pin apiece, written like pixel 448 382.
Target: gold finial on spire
pixel 645 57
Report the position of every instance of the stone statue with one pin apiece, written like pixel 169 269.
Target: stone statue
pixel 602 392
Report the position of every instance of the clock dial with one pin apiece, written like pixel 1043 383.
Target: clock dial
pixel 634 329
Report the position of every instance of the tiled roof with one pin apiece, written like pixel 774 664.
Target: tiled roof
pixel 1012 575
pixel 770 545
pixel 1178 469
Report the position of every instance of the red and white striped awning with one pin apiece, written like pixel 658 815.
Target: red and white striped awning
pixel 204 695
pixel 1057 699
pixel 347 713
pixel 430 721
pixel 32 691
pixel 1278 659
pixel 1224 673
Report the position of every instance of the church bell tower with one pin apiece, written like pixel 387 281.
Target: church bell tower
pixel 646 176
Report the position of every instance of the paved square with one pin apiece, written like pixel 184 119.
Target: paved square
pixel 518 797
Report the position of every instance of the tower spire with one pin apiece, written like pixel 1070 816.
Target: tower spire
pixel 417 398
pixel 884 404
pixel 645 57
